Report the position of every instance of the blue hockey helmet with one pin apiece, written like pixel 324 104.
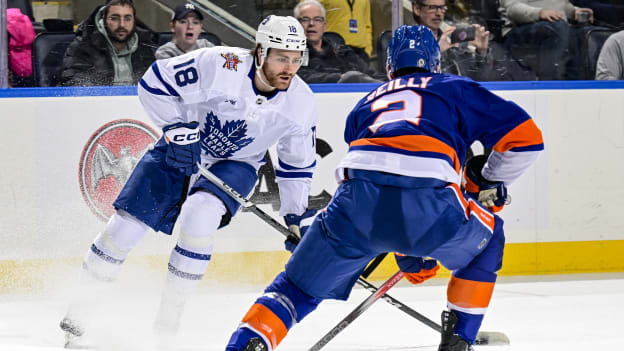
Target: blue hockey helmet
pixel 413 46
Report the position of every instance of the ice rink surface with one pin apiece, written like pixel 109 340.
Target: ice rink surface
pixel 580 312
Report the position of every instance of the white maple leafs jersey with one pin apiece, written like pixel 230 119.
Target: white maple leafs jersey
pixel 215 87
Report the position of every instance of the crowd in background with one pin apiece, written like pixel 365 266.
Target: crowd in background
pixel 486 40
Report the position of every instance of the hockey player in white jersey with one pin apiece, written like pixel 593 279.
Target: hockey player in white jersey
pixel 224 106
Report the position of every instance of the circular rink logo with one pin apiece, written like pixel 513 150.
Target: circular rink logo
pixel 108 159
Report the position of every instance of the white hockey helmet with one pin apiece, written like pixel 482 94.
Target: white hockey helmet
pixel 281 32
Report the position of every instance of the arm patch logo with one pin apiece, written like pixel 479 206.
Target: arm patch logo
pixel 108 159
pixel 231 61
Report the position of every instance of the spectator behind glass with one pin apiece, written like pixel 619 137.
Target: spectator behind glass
pixel 538 33
pixel 186 25
pixel 610 65
pixel 328 62
pixel 466 59
pixel 352 20
pixel 606 12
pixel 20 36
pixel 109 49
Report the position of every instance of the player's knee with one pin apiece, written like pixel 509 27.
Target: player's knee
pixel 484 267
pixel 497 242
pixel 199 220
pixel 302 303
pixel 123 232
pixel 273 314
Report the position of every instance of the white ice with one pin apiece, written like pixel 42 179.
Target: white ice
pixel 580 312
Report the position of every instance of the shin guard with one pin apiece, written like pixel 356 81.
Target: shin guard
pixel 470 288
pixel 273 314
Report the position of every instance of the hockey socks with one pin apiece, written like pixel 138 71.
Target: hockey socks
pixel 186 269
pixel 189 259
pixel 273 314
pixel 470 288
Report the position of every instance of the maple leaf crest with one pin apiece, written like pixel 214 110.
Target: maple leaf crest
pixel 223 141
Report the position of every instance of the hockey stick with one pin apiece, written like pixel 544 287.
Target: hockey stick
pixel 271 221
pixel 373 265
pixel 358 311
pixel 248 204
pixel 484 338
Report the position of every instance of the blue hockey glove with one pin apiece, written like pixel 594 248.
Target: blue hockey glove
pixel 184 151
pixel 416 269
pixel 295 226
pixel 492 195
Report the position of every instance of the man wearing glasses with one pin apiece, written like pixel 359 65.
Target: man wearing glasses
pixel 329 62
pixel 466 59
pixel 109 48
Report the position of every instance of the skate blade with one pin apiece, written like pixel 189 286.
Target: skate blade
pixel 491 338
pixel 78 347
pixel 73 342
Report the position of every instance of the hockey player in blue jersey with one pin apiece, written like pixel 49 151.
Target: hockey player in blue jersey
pixel 225 107
pixel 399 192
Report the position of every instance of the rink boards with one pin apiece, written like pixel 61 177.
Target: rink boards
pixel 66 152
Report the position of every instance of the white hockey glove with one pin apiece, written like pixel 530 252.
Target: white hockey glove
pixel 294 224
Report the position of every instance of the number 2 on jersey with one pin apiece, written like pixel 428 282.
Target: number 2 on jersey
pixel 410 108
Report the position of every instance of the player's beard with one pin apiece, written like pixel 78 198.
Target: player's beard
pixel 115 39
pixel 274 78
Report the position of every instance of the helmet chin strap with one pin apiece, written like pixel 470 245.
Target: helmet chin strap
pixel 259 75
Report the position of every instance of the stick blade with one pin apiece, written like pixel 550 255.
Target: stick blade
pixel 491 338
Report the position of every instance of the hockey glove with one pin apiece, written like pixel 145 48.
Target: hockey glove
pixel 492 195
pixel 295 226
pixel 416 269
pixel 184 151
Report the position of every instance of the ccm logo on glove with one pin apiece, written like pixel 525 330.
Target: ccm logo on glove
pixel 182 136
pixel 183 149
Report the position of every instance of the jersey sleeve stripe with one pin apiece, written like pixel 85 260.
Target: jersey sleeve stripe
pixel 283 174
pixel 525 134
pixel 413 143
pixel 152 90
pixel 164 83
pixel 538 147
pixel 184 64
pixel 288 167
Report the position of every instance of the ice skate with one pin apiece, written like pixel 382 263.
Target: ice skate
pixel 451 341
pixel 255 344
pixel 167 322
pixel 73 334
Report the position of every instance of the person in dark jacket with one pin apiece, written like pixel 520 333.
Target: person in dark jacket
pixel 328 62
pixel 469 59
pixel 109 48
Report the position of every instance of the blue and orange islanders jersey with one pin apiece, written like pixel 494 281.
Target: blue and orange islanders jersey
pixel 421 124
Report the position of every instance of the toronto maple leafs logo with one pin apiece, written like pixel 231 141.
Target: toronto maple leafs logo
pixel 231 61
pixel 223 141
